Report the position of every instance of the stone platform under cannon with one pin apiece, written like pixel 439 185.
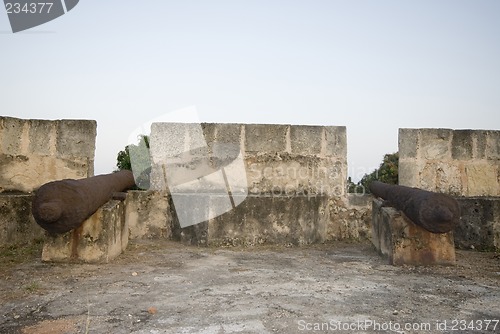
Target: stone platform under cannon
pixel 405 243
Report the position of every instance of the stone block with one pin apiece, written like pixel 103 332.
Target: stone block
pixel 11 135
pixel 409 172
pixel 462 144
pixel 100 239
pixel 289 175
pixel 482 180
pixel 270 138
pixel 172 139
pixel 479 226
pixel 404 243
pixel 408 143
pixel 336 142
pixel 42 138
pixel 147 214
pixel 222 133
pixel 76 138
pixel 34 152
pixel 493 145
pixel 306 140
pixel 479 144
pixel 435 143
pixel 17 225
pixel 281 220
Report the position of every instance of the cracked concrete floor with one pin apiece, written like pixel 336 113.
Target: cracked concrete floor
pixel 166 287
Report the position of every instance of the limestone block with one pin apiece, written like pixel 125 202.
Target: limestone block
pixel 288 175
pixel 479 226
pixel 409 172
pixel 42 138
pixel 408 143
pixel 493 145
pixel 17 225
pixel 482 180
pixel 12 132
pixel 306 140
pixel 479 144
pixel 100 239
pixel 76 138
pixel 147 214
pixel 34 152
pixel 266 138
pixel 222 133
pixel 435 143
pixel 272 220
pixel 26 173
pixel 462 144
pixel 336 142
pixel 404 243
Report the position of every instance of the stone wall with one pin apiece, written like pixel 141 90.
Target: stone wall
pixel 457 162
pixel 279 185
pixel 33 152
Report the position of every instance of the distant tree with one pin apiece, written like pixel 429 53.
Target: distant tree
pixel 387 173
pixel 123 158
pixel 136 158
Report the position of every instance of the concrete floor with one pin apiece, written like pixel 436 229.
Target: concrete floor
pixel 165 287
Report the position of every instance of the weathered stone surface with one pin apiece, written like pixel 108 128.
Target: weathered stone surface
pixel 435 143
pixel 76 138
pixel 100 239
pixel 336 142
pixel 351 220
pixel 148 214
pixel 457 162
pixel 408 143
pixel 479 227
pixel 34 152
pixel 306 140
pixel 482 180
pixel 266 138
pixel 404 243
pixel 287 175
pixel 17 225
pixel 281 220
pixel 462 144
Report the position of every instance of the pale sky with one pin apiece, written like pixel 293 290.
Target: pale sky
pixel 372 66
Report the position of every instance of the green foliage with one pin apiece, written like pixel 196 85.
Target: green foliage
pixel 137 159
pixel 387 173
pixel 123 161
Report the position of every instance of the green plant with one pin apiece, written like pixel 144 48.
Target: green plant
pixel 387 173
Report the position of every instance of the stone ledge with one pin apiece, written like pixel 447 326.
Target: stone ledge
pixel 17 225
pixel 262 220
pixel 99 239
pixel 479 226
pixel 404 243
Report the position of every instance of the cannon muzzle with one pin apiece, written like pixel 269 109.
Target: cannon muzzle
pixel 435 212
pixel 61 206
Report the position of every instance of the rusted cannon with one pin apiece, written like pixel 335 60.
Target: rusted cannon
pixel 437 213
pixel 61 206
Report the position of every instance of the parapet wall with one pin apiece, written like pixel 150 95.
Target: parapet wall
pixel 34 152
pixel 457 162
pixel 279 184
pixel 278 159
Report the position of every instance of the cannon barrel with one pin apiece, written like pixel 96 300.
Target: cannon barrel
pixel 435 212
pixel 61 206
